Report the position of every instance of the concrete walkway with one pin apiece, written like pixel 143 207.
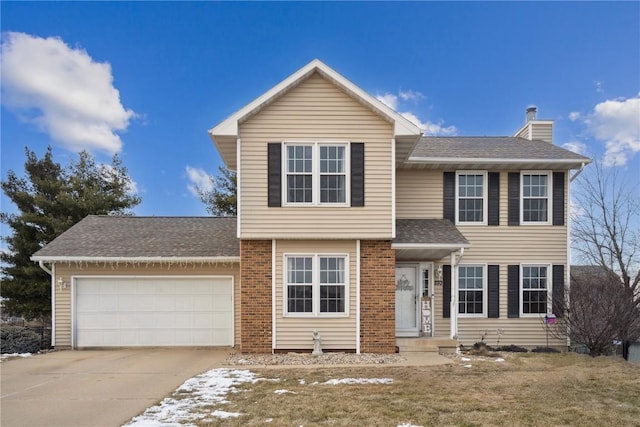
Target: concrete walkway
pixel 95 388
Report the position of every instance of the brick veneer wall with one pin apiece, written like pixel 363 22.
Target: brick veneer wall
pixel 377 297
pixel 255 296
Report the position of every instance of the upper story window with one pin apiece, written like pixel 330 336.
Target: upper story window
pixel 316 173
pixel 299 174
pixel 471 197
pixel 535 197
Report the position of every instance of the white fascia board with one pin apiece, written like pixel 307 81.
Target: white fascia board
pixel 230 126
pixel 135 259
pixel 452 246
pixel 487 161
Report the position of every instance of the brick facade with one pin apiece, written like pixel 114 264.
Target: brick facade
pixel 255 296
pixel 377 297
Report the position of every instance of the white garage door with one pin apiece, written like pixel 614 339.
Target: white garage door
pixel 124 312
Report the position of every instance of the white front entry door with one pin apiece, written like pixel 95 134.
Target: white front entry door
pixel 407 301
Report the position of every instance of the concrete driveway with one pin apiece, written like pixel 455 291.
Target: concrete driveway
pixel 95 388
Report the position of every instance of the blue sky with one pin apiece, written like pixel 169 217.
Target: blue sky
pixel 147 80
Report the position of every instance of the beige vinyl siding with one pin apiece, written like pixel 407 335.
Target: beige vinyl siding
pixel 66 271
pixel 316 111
pixel 294 332
pixel 522 331
pixel 543 131
pixel 419 195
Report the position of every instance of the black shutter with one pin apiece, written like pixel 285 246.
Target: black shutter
pixel 558 303
pixel 274 174
pixel 513 291
pixel 357 174
pixel 514 198
pixel 493 208
pixel 449 196
pixel 493 286
pixel 558 198
pixel 446 291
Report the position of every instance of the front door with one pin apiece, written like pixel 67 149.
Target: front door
pixel 407 301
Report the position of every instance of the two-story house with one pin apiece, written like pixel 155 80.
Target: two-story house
pixel 350 223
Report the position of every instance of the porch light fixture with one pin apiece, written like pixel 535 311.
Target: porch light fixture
pixel 438 275
pixel 62 284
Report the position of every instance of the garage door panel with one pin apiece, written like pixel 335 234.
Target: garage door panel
pixel 153 312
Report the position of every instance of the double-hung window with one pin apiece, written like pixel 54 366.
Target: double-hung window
pixel 535 283
pixel 471 290
pixel 471 196
pixel 316 285
pixel 316 173
pixel 535 204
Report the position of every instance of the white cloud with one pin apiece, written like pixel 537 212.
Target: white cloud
pixel 575 146
pixel 598 85
pixel 62 91
pixel 410 95
pixel 199 180
pixel 616 122
pixel 388 99
pixel 431 128
pixel 574 115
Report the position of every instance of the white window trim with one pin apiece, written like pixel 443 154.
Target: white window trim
pixel 485 291
pixel 315 285
pixel 549 175
pixel 549 289
pixel 485 196
pixel 315 172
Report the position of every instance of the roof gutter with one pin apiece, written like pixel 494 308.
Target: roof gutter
pixel 42 259
pixel 452 246
pixel 448 160
pixel 42 266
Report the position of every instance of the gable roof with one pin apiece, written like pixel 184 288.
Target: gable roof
pixel 479 152
pixel 153 239
pixel 224 135
pixel 427 239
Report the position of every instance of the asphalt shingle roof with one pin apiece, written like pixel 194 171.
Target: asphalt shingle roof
pixel 437 231
pixel 146 237
pixel 491 147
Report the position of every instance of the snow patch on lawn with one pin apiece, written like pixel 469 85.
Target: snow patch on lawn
pixel 5 356
pixel 359 381
pixel 282 391
pixel 189 401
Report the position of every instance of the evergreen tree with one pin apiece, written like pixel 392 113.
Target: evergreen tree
pixel 223 199
pixel 50 199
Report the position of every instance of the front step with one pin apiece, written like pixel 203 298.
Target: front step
pixel 426 345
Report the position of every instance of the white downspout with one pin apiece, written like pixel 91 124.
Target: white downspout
pixel 578 172
pixel 53 299
pixel 274 283
pixel 453 312
pixel 357 296
pixel 454 294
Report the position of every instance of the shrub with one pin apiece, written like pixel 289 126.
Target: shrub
pixel 511 348
pixel 545 350
pixel 18 339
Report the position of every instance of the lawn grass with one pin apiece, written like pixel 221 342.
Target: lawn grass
pixel 524 390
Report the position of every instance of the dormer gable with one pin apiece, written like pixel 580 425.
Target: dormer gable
pixel 225 134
